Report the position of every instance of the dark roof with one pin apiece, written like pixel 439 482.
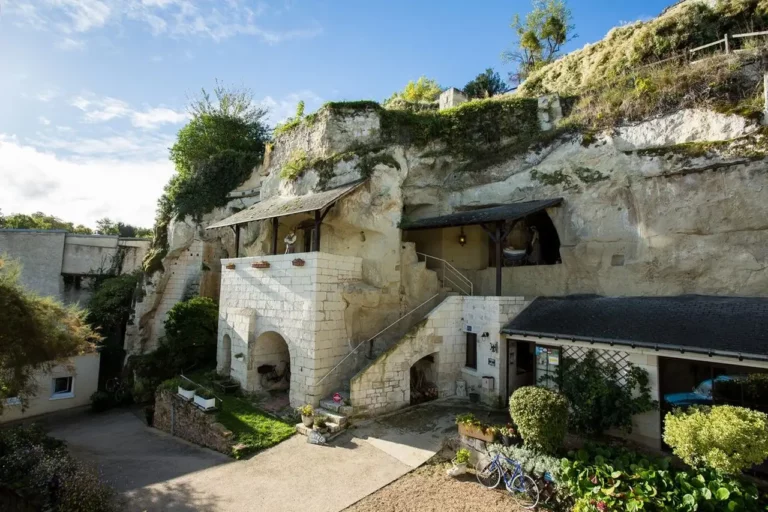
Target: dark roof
pixel 512 211
pixel 727 326
pixel 282 206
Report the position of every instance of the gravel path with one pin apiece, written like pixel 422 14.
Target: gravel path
pixel 429 489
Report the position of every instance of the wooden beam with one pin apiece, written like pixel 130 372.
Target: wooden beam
pixel 237 240
pixel 274 235
pixel 318 222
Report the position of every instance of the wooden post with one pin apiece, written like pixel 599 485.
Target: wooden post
pixel 499 257
pixel 274 235
pixel 237 240
pixel 727 46
pixel 765 98
pixel 318 222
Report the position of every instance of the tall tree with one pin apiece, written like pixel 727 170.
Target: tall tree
pixel 107 226
pixel 40 220
pixel 485 85
pixel 35 333
pixel 540 37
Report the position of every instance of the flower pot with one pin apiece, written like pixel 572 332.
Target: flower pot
pixel 308 421
pixel 505 440
pixel 230 266
pixel 205 404
pixel 260 264
pixel 457 469
pixel 186 394
pixel 298 262
pixel 475 432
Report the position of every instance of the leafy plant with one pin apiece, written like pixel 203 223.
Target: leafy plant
pixel 601 396
pixel 100 401
pixel 40 220
pixel 174 384
pixel 486 84
pixel 726 438
pixel 602 478
pixel 507 430
pixel 468 419
pixel 320 422
pixel 306 410
pixel 423 89
pixel 541 416
pixel 532 461
pixel 190 334
pixel 462 456
pixel 296 165
pixel 204 393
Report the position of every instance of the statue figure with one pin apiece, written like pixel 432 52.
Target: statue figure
pixel 290 241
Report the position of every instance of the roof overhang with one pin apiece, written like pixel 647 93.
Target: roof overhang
pixel 508 212
pixel 732 327
pixel 282 206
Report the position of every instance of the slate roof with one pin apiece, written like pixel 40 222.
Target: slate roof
pixel 512 211
pixel 281 206
pixel 728 326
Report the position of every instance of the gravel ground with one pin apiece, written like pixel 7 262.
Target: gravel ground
pixel 429 489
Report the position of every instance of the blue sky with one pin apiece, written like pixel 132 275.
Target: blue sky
pixel 92 92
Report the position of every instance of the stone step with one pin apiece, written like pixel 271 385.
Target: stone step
pixel 339 408
pixel 335 417
pixel 333 429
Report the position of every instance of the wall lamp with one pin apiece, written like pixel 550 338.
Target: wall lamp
pixel 462 238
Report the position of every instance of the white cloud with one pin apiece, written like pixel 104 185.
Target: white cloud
pixel 99 110
pixel 69 44
pixel 47 95
pixel 81 190
pixel 283 108
pixel 213 19
pixel 44 120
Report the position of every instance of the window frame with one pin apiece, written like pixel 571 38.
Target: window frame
pixel 467 361
pixel 69 393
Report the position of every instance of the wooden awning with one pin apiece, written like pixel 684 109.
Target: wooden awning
pixel 507 212
pixel 282 206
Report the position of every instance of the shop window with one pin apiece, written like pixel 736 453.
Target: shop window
pixel 547 364
pixel 471 351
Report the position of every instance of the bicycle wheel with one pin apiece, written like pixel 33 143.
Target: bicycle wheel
pixel 111 385
pixel 487 473
pixel 525 491
pixel 120 395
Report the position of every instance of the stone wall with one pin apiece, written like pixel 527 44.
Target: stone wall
pixel 385 384
pixel 40 254
pixel 181 418
pixel 303 305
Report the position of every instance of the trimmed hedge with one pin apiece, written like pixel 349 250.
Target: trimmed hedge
pixel 541 416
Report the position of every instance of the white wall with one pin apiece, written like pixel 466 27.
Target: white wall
pixel 40 254
pixel 85 372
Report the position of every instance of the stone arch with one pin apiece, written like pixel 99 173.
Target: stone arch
pixel 423 383
pixel 269 348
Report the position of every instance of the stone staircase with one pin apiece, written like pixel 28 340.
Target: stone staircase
pixel 336 414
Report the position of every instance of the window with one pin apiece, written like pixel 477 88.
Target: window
pixel 471 351
pixel 547 363
pixel 62 387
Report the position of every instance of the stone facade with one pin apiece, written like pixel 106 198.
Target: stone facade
pixel 183 419
pixel 301 305
pixel 385 384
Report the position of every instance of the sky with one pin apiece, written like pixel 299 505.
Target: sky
pixel 93 92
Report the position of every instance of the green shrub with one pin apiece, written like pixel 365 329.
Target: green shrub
pixel 541 416
pixel 39 469
pixel 601 478
pixel 462 456
pixel 173 384
pixel 190 334
pixel 726 438
pixel 532 461
pixel 601 396
pixel 101 401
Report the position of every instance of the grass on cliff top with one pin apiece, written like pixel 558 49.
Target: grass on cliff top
pixel 251 426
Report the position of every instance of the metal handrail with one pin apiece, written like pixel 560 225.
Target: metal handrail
pixel 459 275
pixel 374 337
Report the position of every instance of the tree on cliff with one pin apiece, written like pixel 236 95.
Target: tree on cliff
pixel 423 89
pixel 485 85
pixel 540 38
pixel 35 333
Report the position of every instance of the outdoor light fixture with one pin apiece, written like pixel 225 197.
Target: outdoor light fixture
pixel 462 238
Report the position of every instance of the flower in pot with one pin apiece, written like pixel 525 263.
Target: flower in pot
pixel 205 399
pixel 460 462
pixel 507 434
pixel 187 390
pixel 307 414
pixel 470 426
pixel 321 425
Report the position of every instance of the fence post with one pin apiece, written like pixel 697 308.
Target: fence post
pixel 765 97
pixel 727 46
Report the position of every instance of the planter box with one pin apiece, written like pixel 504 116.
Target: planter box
pixel 205 404
pixel 230 266
pixel 474 432
pixel 298 262
pixel 260 264
pixel 186 394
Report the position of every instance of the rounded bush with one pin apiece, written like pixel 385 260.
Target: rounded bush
pixel 100 401
pixel 541 416
pixel 724 437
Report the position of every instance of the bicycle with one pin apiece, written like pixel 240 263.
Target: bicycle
pixel 522 487
pixel 118 388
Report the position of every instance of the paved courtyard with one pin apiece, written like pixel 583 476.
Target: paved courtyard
pixel 154 471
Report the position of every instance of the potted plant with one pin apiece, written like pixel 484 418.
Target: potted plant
pixel 470 426
pixel 298 262
pixel 507 435
pixel 460 462
pixel 307 414
pixel 321 425
pixel 230 266
pixel 205 399
pixel 187 391
pixel 260 264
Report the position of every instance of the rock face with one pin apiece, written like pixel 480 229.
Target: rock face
pixel 664 207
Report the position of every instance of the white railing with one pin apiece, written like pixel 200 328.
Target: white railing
pixel 373 338
pixel 448 275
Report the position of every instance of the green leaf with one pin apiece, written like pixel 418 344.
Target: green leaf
pixel 723 494
pixel 616 474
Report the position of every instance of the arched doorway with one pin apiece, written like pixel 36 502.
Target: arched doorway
pixel 269 363
pixel 225 357
pixel 424 379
